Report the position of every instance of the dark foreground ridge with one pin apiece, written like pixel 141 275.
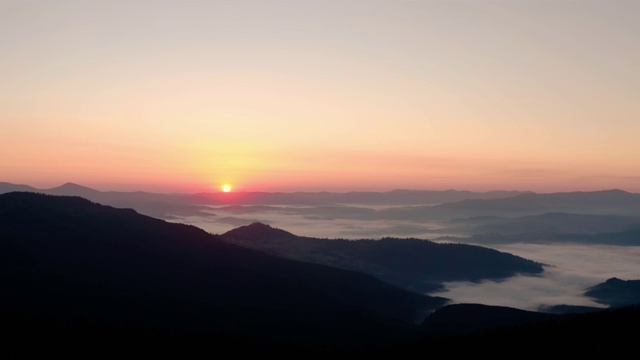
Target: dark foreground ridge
pixel 68 260
pixel 79 276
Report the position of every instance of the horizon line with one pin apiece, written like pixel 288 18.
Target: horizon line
pixel 70 183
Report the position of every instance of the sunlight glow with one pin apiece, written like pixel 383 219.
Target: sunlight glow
pixel 226 188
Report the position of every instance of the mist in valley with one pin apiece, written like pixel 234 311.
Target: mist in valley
pixel 570 268
pixel 582 238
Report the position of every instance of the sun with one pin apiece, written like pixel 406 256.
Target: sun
pixel 226 188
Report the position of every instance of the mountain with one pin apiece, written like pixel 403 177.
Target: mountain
pixel 71 189
pixel 87 270
pixel 499 332
pixel 460 319
pixel 169 205
pixel 605 202
pixel 151 204
pixel 616 292
pixel 405 205
pixel 559 223
pixel 81 278
pixel 550 228
pixel 415 264
pixel 8 187
pixel 621 238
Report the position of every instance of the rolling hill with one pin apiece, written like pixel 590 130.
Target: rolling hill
pixel 81 277
pixel 415 264
pixel 88 267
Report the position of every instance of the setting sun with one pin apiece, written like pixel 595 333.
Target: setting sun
pixel 226 188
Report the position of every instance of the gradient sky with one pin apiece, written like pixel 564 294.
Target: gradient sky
pixel 287 95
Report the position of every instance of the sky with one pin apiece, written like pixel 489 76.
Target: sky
pixel 307 95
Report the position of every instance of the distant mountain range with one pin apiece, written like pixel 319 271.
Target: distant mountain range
pixel 554 223
pixel 606 202
pixel 550 228
pixel 394 197
pixel 81 275
pixel 610 217
pixel 504 213
pixel 157 204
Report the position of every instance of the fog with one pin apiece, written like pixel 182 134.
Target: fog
pixel 344 222
pixel 573 268
pixel 570 270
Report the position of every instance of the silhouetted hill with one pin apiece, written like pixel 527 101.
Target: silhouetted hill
pixel 71 189
pixel 616 292
pixel 151 204
pixel 416 264
pixel 606 333
pixel 8 187
pixel 462 319
pixel 87 269
pixel 82 278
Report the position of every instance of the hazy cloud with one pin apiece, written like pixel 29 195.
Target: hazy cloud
pixel 574 268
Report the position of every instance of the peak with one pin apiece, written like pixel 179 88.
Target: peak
pixel 258 225
pixel 257 229
pixel 70 185
pixel 71 189
pixel 616 191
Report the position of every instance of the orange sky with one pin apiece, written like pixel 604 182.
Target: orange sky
pixel 321 95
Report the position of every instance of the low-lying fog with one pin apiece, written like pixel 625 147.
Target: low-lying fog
pixel 572 267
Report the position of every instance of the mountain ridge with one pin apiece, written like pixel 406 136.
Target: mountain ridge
pixel 68 258
pixel 415 264
pixel 83 276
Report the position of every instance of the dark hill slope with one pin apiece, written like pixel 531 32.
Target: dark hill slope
pixel 415 264
pixel 461 319
pixel 66 260
pixel 504 333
